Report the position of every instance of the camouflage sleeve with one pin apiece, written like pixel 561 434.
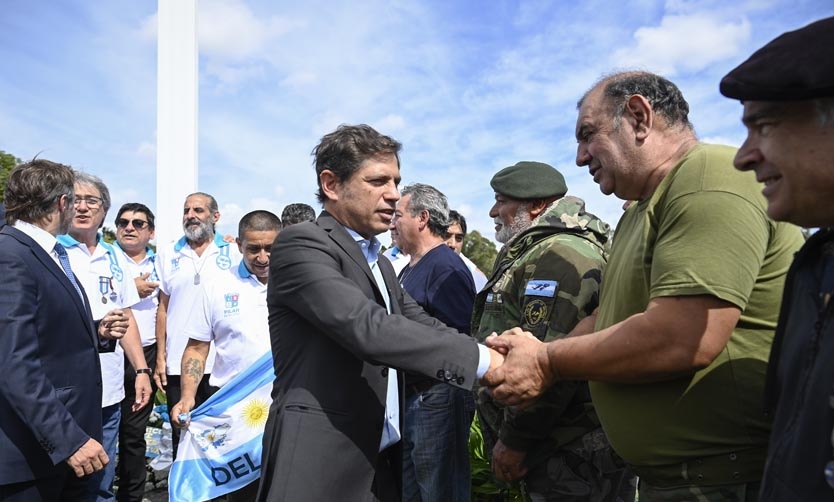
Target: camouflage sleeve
pixel 557 286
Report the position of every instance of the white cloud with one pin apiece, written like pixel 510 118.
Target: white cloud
pixel 146 150
pixel 722 140
pixel 300 79
pixel 390 124
pixel 230 215
pixel 683 43
pixel 149 29
pixel 229 31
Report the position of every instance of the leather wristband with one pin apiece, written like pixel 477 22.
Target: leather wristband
pixel 146 371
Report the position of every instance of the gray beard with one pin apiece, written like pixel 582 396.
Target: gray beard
pixel 201 233
pixel 521 222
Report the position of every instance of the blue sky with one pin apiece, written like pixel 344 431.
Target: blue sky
pixel 468 87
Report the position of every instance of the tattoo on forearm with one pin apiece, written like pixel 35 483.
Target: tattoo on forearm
pixel 194 369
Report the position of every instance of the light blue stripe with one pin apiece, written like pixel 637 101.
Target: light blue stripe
pixel 197 479
pixel 260 373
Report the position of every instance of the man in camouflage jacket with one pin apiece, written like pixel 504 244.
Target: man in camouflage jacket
pixel 546 279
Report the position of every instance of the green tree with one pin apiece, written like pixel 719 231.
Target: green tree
pixel 108 235
pixel 480 250
pixel 7 163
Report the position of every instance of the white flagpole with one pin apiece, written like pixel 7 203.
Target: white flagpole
pixel 177 107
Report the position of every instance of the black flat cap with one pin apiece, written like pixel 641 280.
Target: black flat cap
pixel 529 180
pixel 796 65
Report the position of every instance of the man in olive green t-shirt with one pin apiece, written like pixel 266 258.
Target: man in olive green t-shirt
pixel 689 301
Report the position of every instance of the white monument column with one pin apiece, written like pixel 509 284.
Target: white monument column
pixel 176 115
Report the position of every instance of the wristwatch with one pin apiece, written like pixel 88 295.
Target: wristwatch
pixel 146 371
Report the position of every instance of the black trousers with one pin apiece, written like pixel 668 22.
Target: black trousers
pixel 131 467
pixel 174 392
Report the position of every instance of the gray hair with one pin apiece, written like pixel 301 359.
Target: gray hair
pixel 427 198
pixel 95 182
pixel 213 207
pixel 664 96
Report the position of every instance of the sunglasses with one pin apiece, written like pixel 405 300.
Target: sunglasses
pixel 137 224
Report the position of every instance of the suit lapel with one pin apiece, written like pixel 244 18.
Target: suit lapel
pixel 42 256
pixel 345 241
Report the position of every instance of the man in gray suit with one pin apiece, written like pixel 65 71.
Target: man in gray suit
pixel 338 320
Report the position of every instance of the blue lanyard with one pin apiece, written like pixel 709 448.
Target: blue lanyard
pixel 115 269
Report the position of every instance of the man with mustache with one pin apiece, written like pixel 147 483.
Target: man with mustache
pixel 135 224
pixel 184 267
pixel 676 355
pixel 546 280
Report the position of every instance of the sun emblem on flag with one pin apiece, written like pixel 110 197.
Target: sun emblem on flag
pixel 255 412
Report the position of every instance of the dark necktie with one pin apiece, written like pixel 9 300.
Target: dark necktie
pixel 65 264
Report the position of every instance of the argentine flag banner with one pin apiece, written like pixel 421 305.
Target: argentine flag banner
pixel 220 452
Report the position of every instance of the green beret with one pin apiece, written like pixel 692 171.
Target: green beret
pixel 529 180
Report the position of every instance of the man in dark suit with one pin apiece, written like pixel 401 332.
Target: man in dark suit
pixel 50 394
pixel 338 320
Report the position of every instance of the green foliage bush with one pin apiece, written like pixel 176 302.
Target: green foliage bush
pixel 485 488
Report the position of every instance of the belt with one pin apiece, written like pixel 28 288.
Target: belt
pixel 729 468
pixel 419 387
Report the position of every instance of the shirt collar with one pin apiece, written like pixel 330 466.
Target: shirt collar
pixel 149 252
pixel 370 247
pixel 243 272
pixel 69 241
pixel 218 241
pixel 39 235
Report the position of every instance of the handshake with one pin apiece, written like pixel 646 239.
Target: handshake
pixel 519 369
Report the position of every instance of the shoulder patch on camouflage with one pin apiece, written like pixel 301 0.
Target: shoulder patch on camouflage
pixel 535 312
pixel 537 287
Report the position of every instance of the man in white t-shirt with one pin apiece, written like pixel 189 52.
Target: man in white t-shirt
pixel 233 315
pixel 100 268
pixel 184 268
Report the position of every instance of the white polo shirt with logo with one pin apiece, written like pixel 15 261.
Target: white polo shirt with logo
pixel 179 268
pixel 108 287
pixel 233 315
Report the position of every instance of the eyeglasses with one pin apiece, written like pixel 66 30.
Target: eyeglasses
pixel 92 202
pixel 137 224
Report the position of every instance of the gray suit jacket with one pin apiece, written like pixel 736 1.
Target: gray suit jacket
pixel 332 343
